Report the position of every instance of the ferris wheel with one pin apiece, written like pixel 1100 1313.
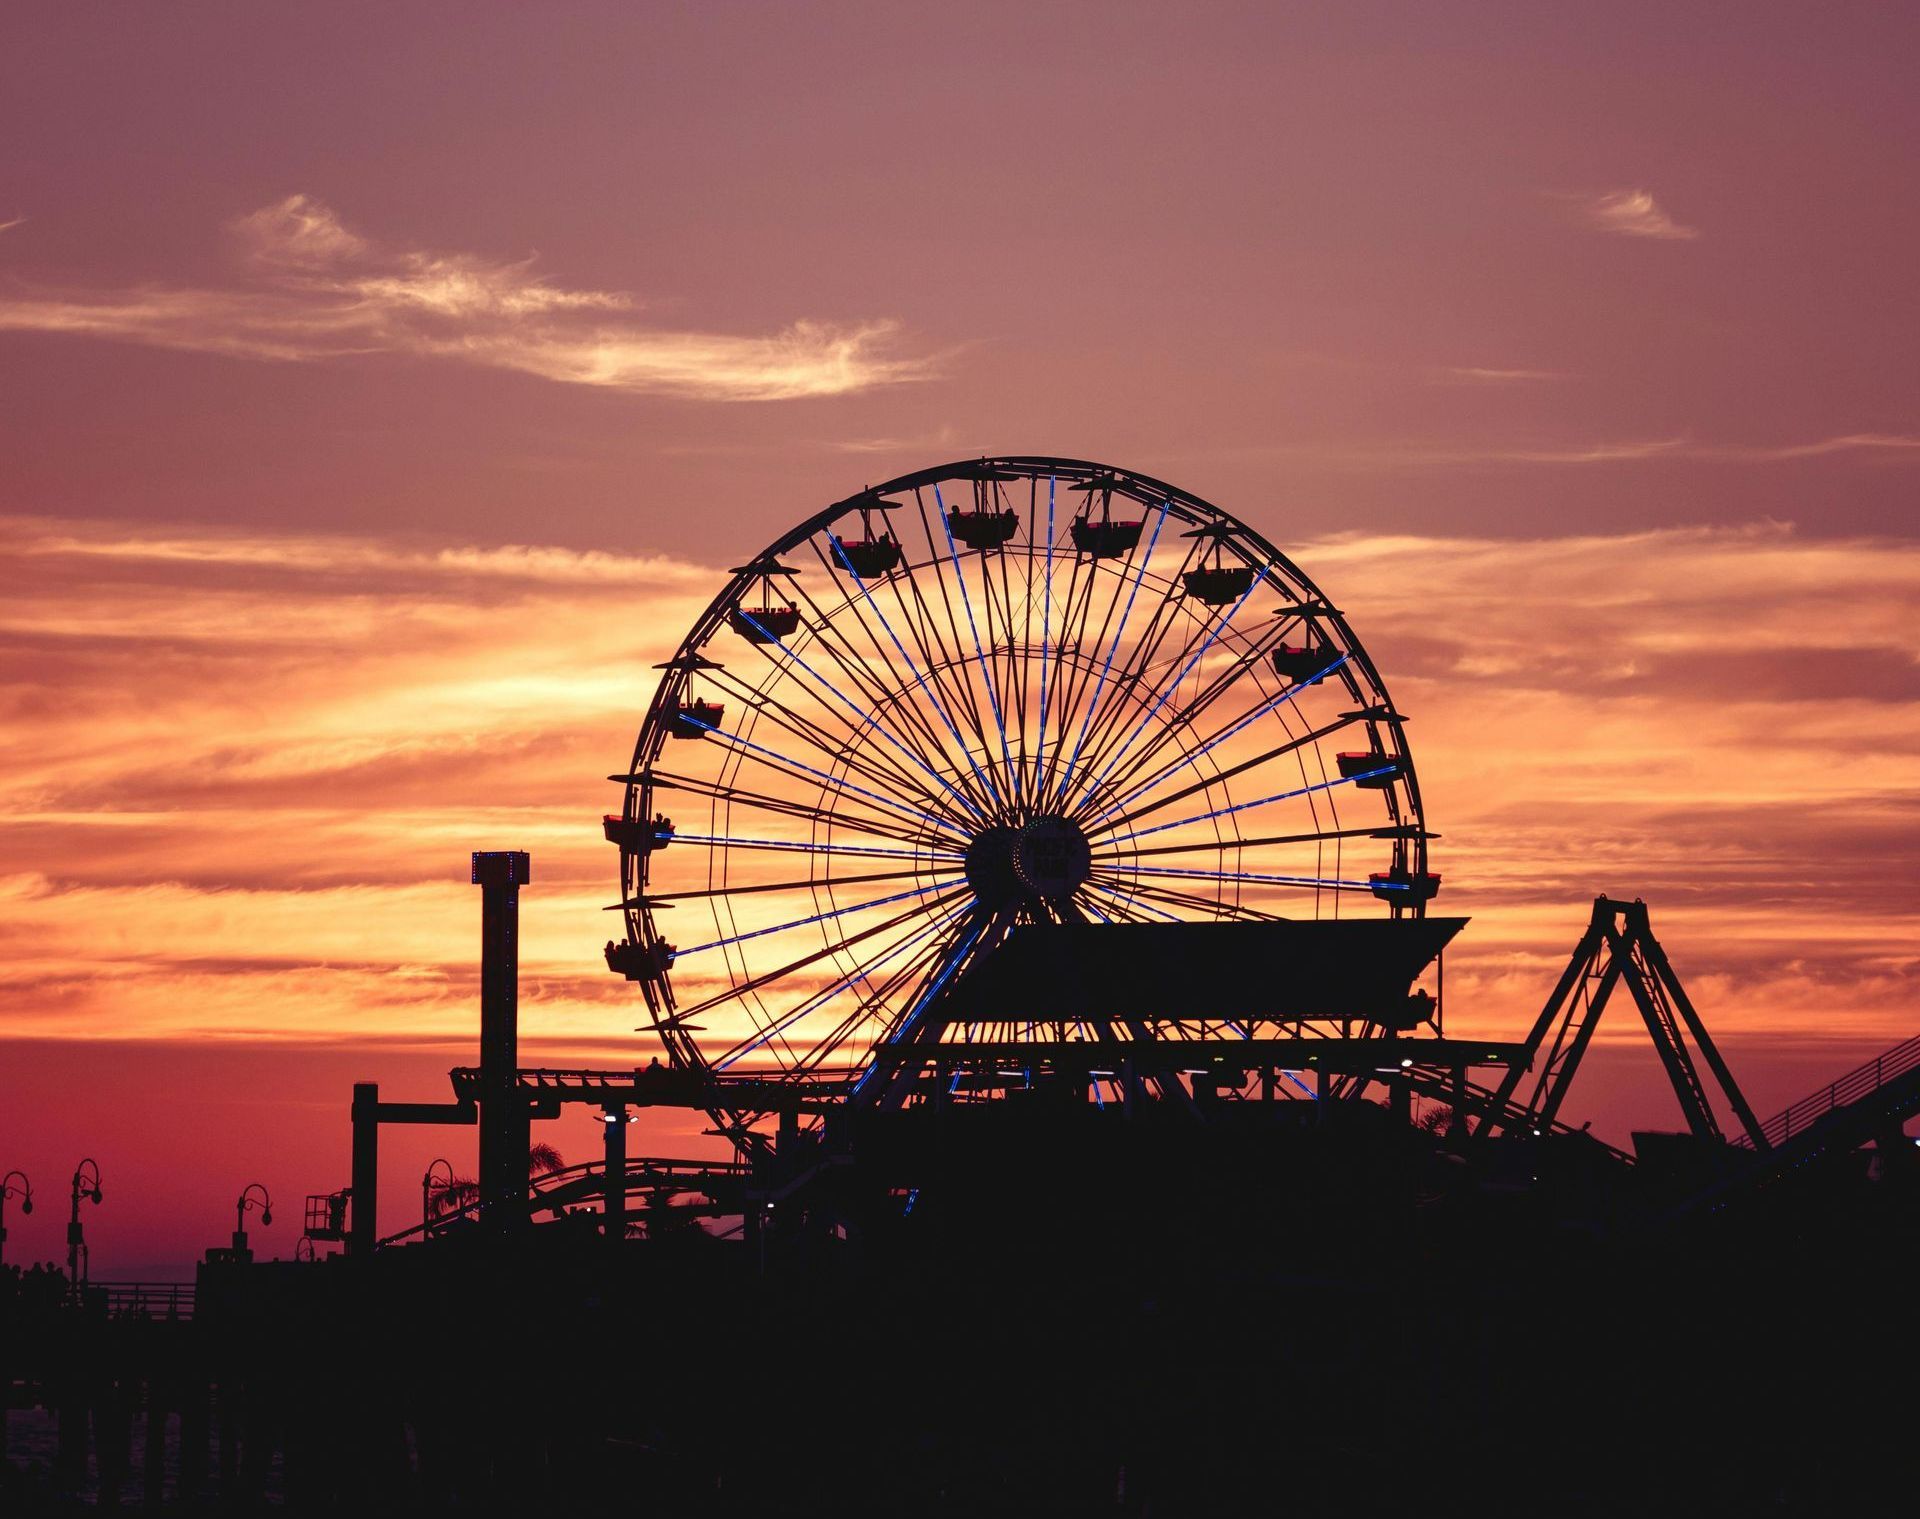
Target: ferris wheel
pixel 1003 692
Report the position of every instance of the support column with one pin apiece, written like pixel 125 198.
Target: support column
pixel 366 1168
pixel 504 1127
pixel 614 1202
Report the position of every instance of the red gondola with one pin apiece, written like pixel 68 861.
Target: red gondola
pixel 636 835
pixel 1403 889
pixel 640 962
pixel 693 720
pixel 1370 769
pixel 764 624
pixel 868 557
pixel 1104 538
pixel 1218 585
pixel 1306 666
pixel 983 530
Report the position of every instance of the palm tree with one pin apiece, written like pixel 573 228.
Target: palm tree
pixel 458 1193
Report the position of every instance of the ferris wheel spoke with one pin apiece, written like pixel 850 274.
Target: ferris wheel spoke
pixel 811 883
pixel 1213 691
pixel 945 965
pixel 885 828
pixel 1046 633
pixel 946 667
pixel 1278 751
pixel 813 957
pixel 894 690
pixel 1265 801
pixel 820 999
pixel 1319 883
pixel 856 851
pixel 917 734
pixel 868 719
pixel 1146 656
pixel 773 759
pixel 1107 668
pixel 1193 756
pixel 966 601
pixel 866 594
pixel 1272 840
pixel 1079 676
pixel 1128 909
pixel 872 1006
pixel 1174 897
pixel 818 917
pixel 781 716
pixel 1167 690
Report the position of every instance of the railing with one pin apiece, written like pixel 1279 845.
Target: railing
pixel 585 1181
pixel 143 1300
pixel 1849 1089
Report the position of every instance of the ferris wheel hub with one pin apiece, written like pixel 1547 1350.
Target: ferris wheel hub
pixel 1046 859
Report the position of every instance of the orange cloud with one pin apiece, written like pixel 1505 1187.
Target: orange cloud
pixel 315 291
pixel 240 774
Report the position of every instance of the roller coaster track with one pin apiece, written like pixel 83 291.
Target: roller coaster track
pixel 583 1183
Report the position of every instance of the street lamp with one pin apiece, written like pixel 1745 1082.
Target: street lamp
pixel 427 1181
pixel 247 1200
pixel 7 1189
pixel 86 1183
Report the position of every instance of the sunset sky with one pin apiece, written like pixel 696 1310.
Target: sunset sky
pixel 384 390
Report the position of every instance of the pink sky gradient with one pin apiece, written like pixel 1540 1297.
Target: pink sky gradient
pixel 382 391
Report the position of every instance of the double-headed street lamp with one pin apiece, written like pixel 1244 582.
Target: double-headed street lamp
pixel 86 1183
pixel 7 1189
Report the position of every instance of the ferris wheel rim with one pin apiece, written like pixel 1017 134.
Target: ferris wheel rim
pixel 642 780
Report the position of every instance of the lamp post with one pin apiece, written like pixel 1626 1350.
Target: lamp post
pixel 7 1189
pixel 247 1200
pixel 86 1183
pixel 439 1170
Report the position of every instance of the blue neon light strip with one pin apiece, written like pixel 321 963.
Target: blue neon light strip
pixel 867 719
pixel 1140 574
pixel 1258 712
pixel 835 781
pixel 1220 627
pixel 1280 796
pixel 1230 875
pixel 861 850
pixel 819 917
pixel 1136 904
pixel 913 1013
pixel 960 574
pixel 919 679
pixel 1046 636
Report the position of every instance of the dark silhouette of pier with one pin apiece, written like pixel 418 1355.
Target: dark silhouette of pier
pixel 1004 1295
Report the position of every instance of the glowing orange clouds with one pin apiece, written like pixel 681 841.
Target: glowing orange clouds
pixel 240 774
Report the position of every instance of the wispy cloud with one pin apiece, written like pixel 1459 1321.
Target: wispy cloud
pixel 939 438
pixel 1630 213
pixel 1849 443
pixel 1401 455
pixel 1459 374
pixel 8 226
pixel 312 289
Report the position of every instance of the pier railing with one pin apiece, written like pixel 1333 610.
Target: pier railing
pixel 143 1300
pixel 1850 1088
